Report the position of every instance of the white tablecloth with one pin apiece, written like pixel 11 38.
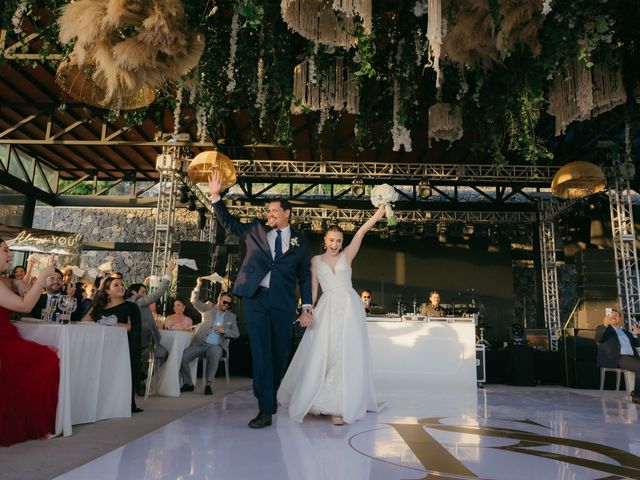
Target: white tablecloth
pixel 95 373
pixel 167 381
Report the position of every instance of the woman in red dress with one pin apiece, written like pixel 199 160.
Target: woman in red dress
pixel 29 372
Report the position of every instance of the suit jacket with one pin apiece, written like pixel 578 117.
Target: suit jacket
pixel 609 346
pixel 148 323
pixel 36 312
pixel 294 264
pixel 206 326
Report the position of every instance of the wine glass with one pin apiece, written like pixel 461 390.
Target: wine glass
pixel 67 304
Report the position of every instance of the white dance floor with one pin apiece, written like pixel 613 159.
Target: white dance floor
pixel 497 433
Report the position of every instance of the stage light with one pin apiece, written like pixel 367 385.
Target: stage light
pixel 202 218
pixel 518 335
pixel 442 232
pixel 467 231
pixel 424 189
pixel 192 204
pixel 184 194
pixel 357 188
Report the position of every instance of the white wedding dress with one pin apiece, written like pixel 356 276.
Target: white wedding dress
pixel 331 370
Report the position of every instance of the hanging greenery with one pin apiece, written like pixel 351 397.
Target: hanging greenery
pixel 496 64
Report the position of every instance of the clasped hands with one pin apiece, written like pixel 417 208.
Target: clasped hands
pixel 306 319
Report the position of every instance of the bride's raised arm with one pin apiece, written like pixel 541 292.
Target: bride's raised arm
pixel 352 249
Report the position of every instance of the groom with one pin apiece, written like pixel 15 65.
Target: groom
pixel 276 257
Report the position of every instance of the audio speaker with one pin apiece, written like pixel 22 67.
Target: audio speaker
pixel 596 275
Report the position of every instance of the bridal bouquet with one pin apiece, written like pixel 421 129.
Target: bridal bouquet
pixel 385 195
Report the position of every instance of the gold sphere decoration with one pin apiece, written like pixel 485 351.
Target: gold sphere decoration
pixel 206 163
pixel 578 179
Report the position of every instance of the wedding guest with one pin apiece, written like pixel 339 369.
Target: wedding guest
pixel 178 320
pixel 89 292
pixel 137 293
pixel 29 372
pixel 18 284
pixel 210 340
pixel 433 309
pixel 67 275
pixel 53 289
pixel 110 306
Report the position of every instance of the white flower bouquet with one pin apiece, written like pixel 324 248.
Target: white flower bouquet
pixel 385 195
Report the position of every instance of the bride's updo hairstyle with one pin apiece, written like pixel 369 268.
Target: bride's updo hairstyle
pixel 333 228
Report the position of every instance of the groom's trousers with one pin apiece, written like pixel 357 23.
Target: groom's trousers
pixel 269 328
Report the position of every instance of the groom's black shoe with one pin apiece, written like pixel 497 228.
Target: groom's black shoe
pixel 262 420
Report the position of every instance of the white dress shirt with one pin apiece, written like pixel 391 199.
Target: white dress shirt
pixel 271 239
pixel 625 344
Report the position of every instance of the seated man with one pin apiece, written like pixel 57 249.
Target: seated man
pixel 617 348
pixel 53 292
pixel 367 303
pixel 433 309
pixel 210 339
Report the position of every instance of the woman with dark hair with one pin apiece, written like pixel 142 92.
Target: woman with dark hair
pixel 178 320
pixel 110 308
pixel 29 372
pixel 330 373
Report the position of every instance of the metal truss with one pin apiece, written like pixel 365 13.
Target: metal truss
pixel 625 247
pixel 310 214
pixel 168 164
pixel 370 172
pixel 550 282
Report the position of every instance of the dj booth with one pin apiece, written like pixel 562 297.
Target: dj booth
pixel 428 352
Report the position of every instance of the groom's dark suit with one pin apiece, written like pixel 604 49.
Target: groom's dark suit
pixel 269 313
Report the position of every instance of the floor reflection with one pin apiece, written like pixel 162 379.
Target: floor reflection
pixel 496 433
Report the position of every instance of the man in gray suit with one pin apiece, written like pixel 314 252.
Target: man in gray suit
pixel 210 339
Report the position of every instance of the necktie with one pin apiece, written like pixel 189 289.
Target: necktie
pixel 278 250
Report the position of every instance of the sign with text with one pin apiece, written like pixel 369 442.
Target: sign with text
pixel 41 241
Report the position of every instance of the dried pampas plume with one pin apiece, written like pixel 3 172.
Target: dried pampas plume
pixel 160 48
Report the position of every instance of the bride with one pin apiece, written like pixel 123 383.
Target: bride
pixel 330 373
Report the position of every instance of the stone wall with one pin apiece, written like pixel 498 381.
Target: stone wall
pixel 131 225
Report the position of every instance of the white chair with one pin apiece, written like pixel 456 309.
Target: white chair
pixel 629 379
pixel 152 369
pixel 224 358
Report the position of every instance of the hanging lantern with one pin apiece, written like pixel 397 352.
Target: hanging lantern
pixel 445 122
pixel 206 163
pixel 316 20
pixel 335 88
pixel 577 180
pixel 84 84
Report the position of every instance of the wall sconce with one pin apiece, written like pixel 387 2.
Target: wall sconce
pixel 357 188
pixel 424 189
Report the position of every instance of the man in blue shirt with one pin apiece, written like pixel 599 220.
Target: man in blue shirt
pixel 210 339
pixel 617 348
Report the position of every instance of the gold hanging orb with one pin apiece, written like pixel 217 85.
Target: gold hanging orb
pixel 79 82
pixel 206 163
pixel 578 179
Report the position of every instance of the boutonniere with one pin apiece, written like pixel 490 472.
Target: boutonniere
pixel 294 242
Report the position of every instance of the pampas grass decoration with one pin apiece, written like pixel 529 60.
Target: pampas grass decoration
pixel 163 49
pixel 317 21
pixel 335 88
pixel 521 20
pixel 445 122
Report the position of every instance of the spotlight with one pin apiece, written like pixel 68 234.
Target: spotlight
pixel 467 231
pixel 184 194
pixel 424 189
pixel 357 188
pixel 442 233
pixel 202 218
pixel 419 230
pixel 192 204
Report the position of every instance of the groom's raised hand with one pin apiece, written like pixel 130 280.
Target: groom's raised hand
pixel 215 185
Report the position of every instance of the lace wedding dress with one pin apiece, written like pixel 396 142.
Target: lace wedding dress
pixel 331 370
